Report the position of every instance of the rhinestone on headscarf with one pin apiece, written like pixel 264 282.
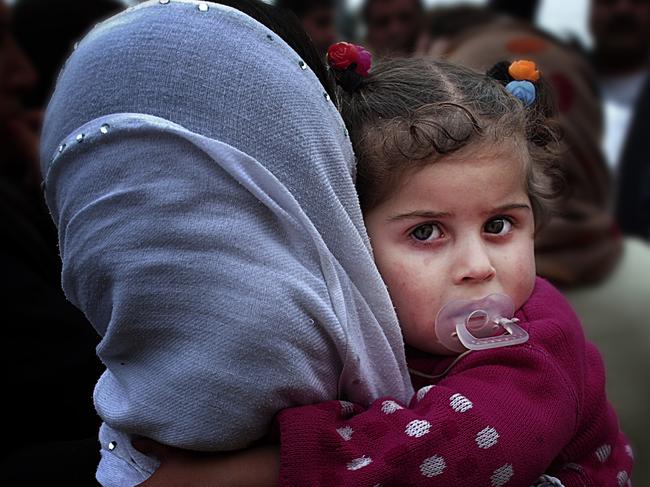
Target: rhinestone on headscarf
pixel 104 128
pixel 203 7
pixel 302 64
pixel 80 137
pixel 112 445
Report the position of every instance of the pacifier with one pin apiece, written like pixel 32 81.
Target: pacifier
pixel 479 324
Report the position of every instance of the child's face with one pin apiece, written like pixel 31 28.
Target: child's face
pixel 460 228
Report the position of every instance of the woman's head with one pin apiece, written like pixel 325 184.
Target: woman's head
pixel 452 181
pixel 285 24
pixel 231 169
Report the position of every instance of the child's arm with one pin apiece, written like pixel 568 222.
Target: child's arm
pixel 495 429
pixel 501 418
pixel 440 440
pixel 487 424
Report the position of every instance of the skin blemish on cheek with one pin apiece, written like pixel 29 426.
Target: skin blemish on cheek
pixel 404 279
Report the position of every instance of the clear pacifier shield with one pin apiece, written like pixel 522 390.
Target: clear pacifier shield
pixel 478 324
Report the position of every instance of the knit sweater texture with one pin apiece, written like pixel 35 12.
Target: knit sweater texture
pixel 499 417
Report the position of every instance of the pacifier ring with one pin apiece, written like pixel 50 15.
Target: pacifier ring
pixel 471 324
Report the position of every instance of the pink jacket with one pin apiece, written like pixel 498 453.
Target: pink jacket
pixel 499 417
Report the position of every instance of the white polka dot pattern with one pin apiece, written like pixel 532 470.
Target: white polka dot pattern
pixel 622 478
pixel 417 428
pixel 389 407
pixel 547 481
pixel 433 466
pixel 423 392
pixel 487 437
pixel 358 463
pixel 345 432
pixel 602 452
pixel 502 475
pixel 460 403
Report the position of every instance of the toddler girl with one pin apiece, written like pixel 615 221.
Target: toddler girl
pixel 453 179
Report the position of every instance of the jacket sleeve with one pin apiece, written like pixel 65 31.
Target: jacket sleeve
pixel 499 419
pixel 599 454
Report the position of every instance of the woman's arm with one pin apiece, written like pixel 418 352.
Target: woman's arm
pixel 439 440
pixel 500 417
pixel 255 467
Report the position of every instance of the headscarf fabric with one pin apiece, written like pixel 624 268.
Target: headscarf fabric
pixel 202 184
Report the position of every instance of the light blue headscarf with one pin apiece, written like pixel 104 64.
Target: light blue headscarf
pixel 201 182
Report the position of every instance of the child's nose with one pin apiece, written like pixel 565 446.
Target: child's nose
pixel 473 264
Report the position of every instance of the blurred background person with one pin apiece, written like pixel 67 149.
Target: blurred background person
pixel 621 56
pixel 48 362
pixel 318 18
pixel 621 34
pixel 516 8
pixel 392 26
pixel 47 30
pixel 633 202
pixel 580 250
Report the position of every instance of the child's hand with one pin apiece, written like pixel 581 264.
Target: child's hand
pixel 258 466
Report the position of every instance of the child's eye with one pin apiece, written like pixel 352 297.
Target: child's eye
pixel 498 226
pixel 427 232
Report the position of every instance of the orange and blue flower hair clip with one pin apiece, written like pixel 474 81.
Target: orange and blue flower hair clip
pixel 519 78
pixel 524 74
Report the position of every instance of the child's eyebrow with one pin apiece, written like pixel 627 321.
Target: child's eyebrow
pixel 444 214
pixel 420 214
pixel 509 206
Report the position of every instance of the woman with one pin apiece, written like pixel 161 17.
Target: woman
pixel 201 181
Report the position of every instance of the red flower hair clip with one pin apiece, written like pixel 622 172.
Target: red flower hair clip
pixel 344 55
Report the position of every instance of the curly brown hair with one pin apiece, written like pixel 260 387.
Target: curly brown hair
pixel 411 112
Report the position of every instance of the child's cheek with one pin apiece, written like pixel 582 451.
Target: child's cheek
pixel 400 284
pixel 416 300
pixel 525 271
